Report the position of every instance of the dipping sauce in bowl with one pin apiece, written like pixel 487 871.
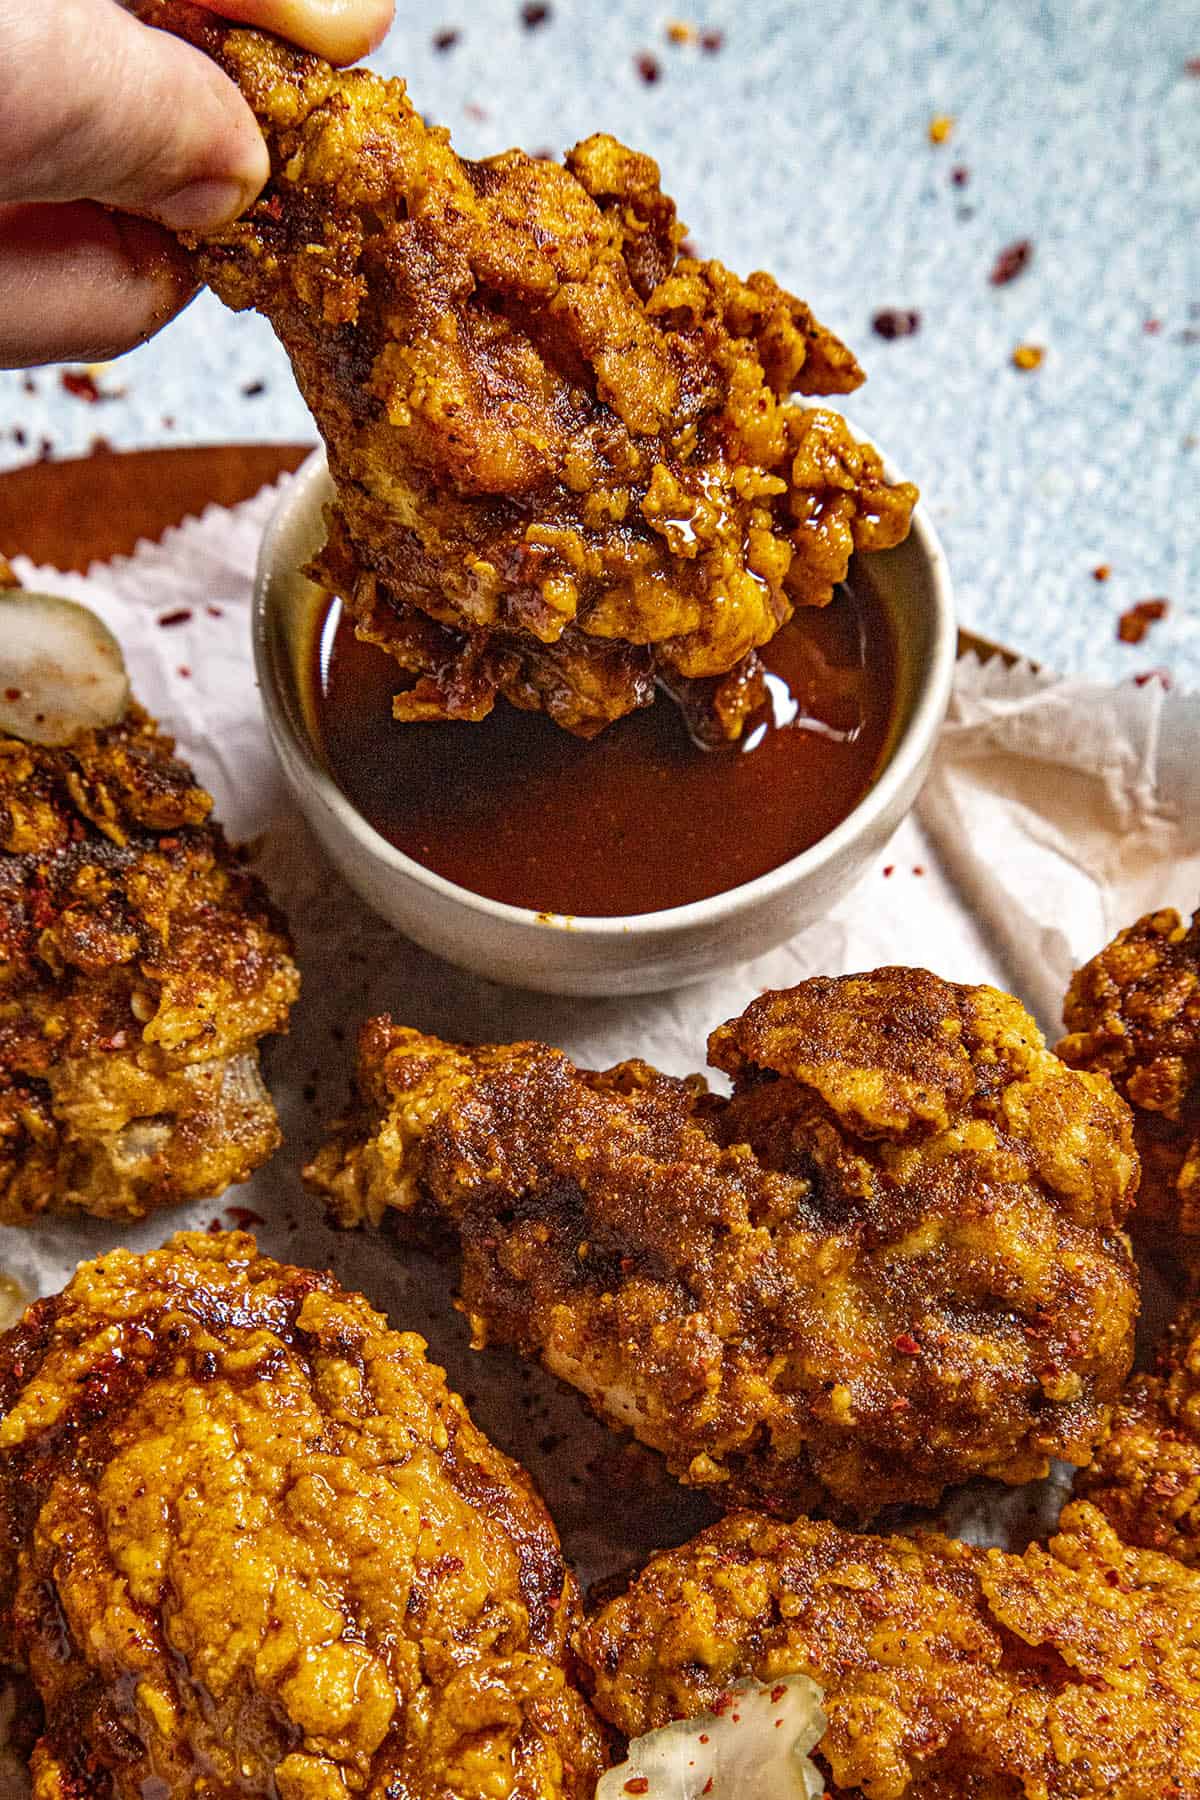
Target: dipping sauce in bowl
pixel 604 845
pixel 638 819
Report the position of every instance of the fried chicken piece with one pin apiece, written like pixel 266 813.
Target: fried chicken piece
pixel 1146 1473
pixel 140 964
pixel 949 1672
pixel 892 1261
pixel 562 463
pixel 250 1544
pixel 1134 1011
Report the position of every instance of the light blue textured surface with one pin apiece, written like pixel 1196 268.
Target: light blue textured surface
pixel 802 146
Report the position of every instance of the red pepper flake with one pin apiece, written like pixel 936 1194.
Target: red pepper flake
pixel 900 1404
pixel 215 1227
pixel 722 1704
pixel 445 40
pixel 889 869
pixel 12 693
pixel 168 421
pixel 907 1344
pixel 1151 327
pixel 712 42
pixel 1011 262
pixel 533 16
pixel 637 1784
pixel 184 671
pixel 778 1692
pixel 28 384
pixel 252 389
pixel 894 322
pixel 704 1737
pixel 960 175
pixel 1192 67
pixel 707 1788
pixel 778 1723
pixel 19 437
pixel 168 843
pixel 918 868
pixel 82 385
pixel 647 67
pixel 41 909
pixel 1102 571
pixel 180 616
pixel 215 612
pixel 244 1216
pixel 273 206
pixel 1136 621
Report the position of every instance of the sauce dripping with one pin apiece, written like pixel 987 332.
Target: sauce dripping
pixel 638 818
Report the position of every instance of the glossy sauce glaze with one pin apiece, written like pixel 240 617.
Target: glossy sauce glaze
pixel 639 818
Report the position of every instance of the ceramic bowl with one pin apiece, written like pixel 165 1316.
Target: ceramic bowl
pixel 596 956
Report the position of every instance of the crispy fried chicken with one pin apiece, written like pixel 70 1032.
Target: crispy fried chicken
pixel 563 466
pixel 141 966
pixel 1146 1473
pixel 1134 1011
pixel 949 1672
pixel 892 1261
pixel 250 1544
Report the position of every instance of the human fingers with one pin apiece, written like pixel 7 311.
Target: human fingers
pixel 79 284
pixel 339 30
pixel 98 107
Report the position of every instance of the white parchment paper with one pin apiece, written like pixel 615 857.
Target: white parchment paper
pixel 1056 812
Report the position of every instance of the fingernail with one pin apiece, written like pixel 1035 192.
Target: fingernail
pixel 203 205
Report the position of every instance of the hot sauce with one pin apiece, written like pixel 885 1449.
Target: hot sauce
pixel 639 818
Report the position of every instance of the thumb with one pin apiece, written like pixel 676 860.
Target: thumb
pixel 98 107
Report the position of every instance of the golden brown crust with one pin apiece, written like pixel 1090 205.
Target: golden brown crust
pixel 562 461
pixel 246 1534
pixel 1134 1011
pixel 1146 1474
pixel 949 1673
pixel 890 1262
pixel 141 965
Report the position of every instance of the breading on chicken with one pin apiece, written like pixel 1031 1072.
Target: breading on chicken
pixel 1146 1472
pixel 564 468
pixel 250 1544
pixel 140 964
pixel 891 1262
pixel 949 1672
pixel 1134 1012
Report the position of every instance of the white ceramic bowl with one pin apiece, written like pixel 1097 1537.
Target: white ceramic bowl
pixel 646 951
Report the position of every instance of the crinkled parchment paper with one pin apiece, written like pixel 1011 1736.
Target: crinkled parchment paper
pixel 1057 812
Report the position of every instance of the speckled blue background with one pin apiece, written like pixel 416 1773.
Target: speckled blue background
pixel 802 145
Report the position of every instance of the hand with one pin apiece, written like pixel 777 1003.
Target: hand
pixel 100 112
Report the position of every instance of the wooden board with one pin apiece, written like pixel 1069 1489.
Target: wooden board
pixel 73 513
pixel 87 510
